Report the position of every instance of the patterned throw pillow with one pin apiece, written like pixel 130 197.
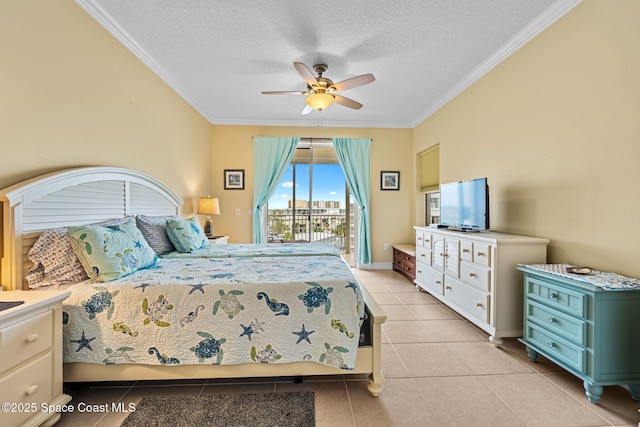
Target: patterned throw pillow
pixel 54 262
pixel 186 234
pixel 154 230
pixel 110 252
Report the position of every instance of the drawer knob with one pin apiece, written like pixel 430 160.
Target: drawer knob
pixel 479 304
pixel 32 338
pixel 481 254
pixel 550 344
pixel 446 287
pixel 466 251
pixel 552 295
pixel 32 389
pixel 551 319
pixel 438 282
pixel 422 255
pixel 427 240
pixel 472 274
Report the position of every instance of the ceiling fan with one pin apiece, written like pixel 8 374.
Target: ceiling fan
pixel 321 92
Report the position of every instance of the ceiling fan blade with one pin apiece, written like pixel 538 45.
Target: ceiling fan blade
pixel 346 102
pixel 284 92
pixel 306 73
pixel 353 82
pixel 306 110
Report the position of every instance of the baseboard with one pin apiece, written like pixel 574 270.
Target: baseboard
pixel 376 266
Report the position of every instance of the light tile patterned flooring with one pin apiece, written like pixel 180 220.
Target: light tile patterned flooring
pixel 440 371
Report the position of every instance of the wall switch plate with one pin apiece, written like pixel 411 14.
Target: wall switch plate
pixel 237 211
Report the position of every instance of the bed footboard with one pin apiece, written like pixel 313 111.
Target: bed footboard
pixel 367 362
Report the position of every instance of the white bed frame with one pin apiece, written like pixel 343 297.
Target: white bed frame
pixel 93 194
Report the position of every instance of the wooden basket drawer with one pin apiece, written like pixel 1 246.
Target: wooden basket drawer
pixel 557 347
pixel 475 302
pixel 24 340
pixel 556 296
pixel 572 328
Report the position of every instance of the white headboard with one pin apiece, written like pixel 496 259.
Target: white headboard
pixel 73 197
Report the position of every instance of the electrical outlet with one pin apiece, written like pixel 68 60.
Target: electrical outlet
pixel 386 246
pixel 237 211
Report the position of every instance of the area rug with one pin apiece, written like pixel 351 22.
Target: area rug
pixel 228 410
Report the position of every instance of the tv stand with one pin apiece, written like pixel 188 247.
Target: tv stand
pixel 475 274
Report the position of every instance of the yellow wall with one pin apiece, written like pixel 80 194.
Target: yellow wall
pixel 71 95
pixel 391 150
pixel 556 130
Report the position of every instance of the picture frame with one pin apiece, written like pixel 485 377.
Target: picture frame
pixel 234 179
pixel 390 180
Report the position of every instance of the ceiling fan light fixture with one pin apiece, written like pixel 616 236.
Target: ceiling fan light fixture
pixel 320 101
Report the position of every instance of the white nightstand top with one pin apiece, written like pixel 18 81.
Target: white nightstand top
pixel 32 300
pixel 219 240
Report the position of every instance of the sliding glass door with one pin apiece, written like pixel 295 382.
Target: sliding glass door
pixel 312 203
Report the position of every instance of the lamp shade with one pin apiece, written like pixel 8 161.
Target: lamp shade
pixel 319 101
pixel 209 206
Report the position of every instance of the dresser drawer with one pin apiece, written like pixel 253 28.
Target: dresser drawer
pixel 423 240
pixel 572 328
pixel 482 254
pixel 468 298
pixel 557 347
pixel 24 340
pixel 466 251
pixel 429 279
pixel 475 275
pixel 423 255
pixel 31 384
pixel 556 296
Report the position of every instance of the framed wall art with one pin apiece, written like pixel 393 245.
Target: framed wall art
pixel 390 180
pixel 234 179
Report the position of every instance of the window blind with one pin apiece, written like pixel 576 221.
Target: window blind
pixel 430 169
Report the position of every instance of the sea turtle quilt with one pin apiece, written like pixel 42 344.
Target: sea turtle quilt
pixel 219 311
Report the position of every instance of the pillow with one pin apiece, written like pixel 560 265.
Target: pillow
pixel 110 252
pixel 154 230
pixel 186 234
pixel 54 260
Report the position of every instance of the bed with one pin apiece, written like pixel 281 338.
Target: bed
pixel 223 299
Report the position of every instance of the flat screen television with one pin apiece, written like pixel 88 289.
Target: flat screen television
pixel 464 205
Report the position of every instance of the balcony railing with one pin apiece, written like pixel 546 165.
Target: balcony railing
pixel 330 228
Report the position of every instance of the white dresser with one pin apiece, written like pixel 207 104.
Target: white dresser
pixel 475 274
pixel 31 358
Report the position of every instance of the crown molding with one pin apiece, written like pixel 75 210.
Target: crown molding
pixel 552 14
pixel 97 12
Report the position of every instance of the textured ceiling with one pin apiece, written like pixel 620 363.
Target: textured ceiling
pixel 220 54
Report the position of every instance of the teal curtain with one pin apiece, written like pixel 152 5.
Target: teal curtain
pixel 271 156
pixel 354 155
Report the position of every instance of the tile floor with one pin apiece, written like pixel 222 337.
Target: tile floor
pixel 439 369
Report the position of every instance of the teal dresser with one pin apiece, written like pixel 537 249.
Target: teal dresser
pixel 588 324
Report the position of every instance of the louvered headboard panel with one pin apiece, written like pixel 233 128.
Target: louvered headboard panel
pixel 73 197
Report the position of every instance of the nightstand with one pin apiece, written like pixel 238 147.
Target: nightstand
pixel 219 240
pixel 31 357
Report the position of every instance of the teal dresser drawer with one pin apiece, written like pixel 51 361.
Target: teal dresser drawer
pixel 569 327
pixel 555 296
pixel 557 347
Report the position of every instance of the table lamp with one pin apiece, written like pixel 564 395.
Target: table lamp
pixel 208 206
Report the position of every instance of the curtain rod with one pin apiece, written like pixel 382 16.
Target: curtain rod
pixel 316 139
